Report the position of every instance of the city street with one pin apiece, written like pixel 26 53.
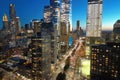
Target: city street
pixel 59 66
pixel 74 71
pixel 74 54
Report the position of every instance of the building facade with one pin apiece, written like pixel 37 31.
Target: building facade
pixel 105 62
pixel 12 12
pixel 48 14
pixel 55 4
pixel 5 23
pixel 94 17
pixel 41 57
pixel 63 38
pixel 116 31
pixel 18 26
pixel 66 14
pixel 50 30
pixel 35 25
pixel 94 24
pixel 14 25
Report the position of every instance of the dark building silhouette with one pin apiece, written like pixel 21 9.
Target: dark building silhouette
pixel 27 26
pixel 14 20
pixel 105 62
pixel 78 32
pixel 107 35
pixel 13 31
pixel 12 11
pixel 116 31
pixel 77 24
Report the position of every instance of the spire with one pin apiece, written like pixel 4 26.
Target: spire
pixel 11 4
pixel 5 18
pixel 12 11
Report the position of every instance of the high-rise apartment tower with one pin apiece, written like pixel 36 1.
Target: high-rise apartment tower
pixel 94 24
pixel 94 13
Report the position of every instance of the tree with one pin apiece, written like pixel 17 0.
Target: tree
pixel 66 67
pixel 61 76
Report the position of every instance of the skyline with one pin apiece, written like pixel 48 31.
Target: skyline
pixel 34 10
pixel 47 48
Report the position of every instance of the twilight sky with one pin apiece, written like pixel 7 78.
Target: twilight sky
pixel 33 9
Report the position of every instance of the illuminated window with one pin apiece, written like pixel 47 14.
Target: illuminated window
pixel 106 58
pixel 33 71
pixel 100 64
pixel 100 70
pixel 114 46
pixel 115 75
pixel 94 69
pixel 35 65
pixel 112 70
pixel 116 71
pixel 106 62
pixel 107 50
pixel 106 71
pixel 97 60
pixel 103 55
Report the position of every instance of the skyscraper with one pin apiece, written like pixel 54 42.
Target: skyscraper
pixel 14 25
pixel 34 24
pixel 116 31
pixel 66 14
pixel 18 26
pixel 5 22
pixel 55 4
pixel 50 30
pixel 63 38
pixel 94 16
pixel 48 14
pixel 41 57
pixel 12 14
pixel 12 11
pixel 105 62
pixel 52 12
pixel 77 24
pixel 93 25
pixel 14 20
pixel 66 10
